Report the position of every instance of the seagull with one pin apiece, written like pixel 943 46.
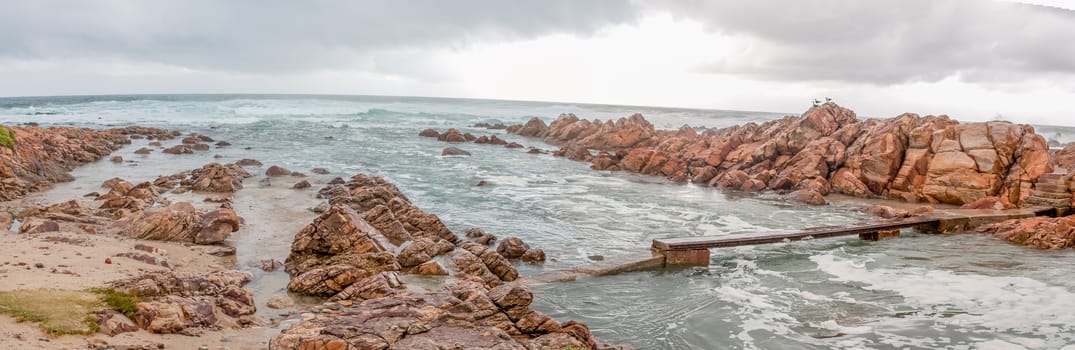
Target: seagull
pixel 827 100
pixel 817 102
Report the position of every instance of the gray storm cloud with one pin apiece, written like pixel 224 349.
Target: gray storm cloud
pixel 887 42
pixel 279 36
pixel 874 42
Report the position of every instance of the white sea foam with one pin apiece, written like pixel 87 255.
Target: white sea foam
pixel 978 303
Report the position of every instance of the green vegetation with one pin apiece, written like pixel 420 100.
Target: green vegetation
pixel 57 311
pixel 119 301
pixel 7 138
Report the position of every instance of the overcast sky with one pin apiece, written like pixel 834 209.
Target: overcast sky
pixel 971 59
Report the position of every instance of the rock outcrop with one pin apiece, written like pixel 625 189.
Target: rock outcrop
pixel 180 222
pixel 826 149
pixel 185 303
pixel 43 156
pixel 466 314
pixel 1038 232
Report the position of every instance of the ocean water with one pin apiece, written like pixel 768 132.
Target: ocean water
pixel 917 292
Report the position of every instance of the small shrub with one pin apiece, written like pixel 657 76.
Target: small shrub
pixel 119 301
pixel 7 138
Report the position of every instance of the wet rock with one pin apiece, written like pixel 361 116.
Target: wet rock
pixel 452 151
pixel 270 265
pixel 216 226
pixel 201 147
pixel 222 143
pixel 422 250
pixel 810 197
pixel 117 159
pixel 479 236
pixel 214 177
pixel 277 171
pixel 429 133
pixel 493 140
pixel 888 212
pixel 1038 232
pixel 430 268
pixel 297 174
pixel 279 302
pixel 179 149
pixel 534 256
pixel 452 135
pixel 535 127
pixel 336 181
pixel 45 155
pixel 513 145
pixel 512 248
pixel 990 202
pixel 319 171
pixel 301 185
pixel 143 150
pixel 248 162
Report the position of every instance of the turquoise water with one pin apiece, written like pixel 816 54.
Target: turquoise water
pixel 954 292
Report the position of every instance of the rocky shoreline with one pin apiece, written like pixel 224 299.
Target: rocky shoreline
pixel 157 243
pixel 372 270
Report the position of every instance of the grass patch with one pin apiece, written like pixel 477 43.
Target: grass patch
pixel 58 312
pixel 119 301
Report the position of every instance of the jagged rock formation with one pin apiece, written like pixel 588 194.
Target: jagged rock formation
pixel 826 149
pixel 183 303
pixel 355 252
pixel 43 156
pixel 466 314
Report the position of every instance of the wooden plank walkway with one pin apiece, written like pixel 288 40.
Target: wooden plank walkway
pixel 707 242
pixel 941 220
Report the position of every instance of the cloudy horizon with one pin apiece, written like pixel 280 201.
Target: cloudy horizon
pixel 970 59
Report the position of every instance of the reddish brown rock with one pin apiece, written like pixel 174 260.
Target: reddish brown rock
pixel 36 225
pixel 453 151
pixel 45 155
pixel 429 133
pixel 181 303
pixel 535 127
pixel 888 212
pixel 513 145
pixel 214 177
pixel 512 248
pixel 319 171
pixel 179 149
pixel 452 135
pixel 810 197
pixel 989 203
pixel 216 226
pixel 179 222
pixel 248 162
pixel 1039 232
pixel 301 185
pixel 143 150
pixel 534 256
pixel 430 268
pixel 277 171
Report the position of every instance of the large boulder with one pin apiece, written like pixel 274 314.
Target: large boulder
pixel 340 255
pixel 214 177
